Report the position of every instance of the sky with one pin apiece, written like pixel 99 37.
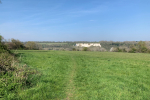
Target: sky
pixel 75 20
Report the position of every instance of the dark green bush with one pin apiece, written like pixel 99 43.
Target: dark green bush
pixel 3 47
pixel 132 50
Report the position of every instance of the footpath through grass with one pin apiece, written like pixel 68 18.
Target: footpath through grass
pixel 72 75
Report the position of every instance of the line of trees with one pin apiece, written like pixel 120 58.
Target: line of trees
pixel 126 46
pixel 14 44
pixel 140 47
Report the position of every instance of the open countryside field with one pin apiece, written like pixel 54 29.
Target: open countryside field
pixel 74 75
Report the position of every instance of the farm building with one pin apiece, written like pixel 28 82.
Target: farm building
pixel 88 44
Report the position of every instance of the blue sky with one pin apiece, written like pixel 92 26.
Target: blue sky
pixel 75 20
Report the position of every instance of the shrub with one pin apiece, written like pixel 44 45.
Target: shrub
pixel 116 50
pixel 3 47
pixel 73 49
pixel 6 63
pixel 13 76
pixel 141 47
pixel 85 49
pixel 132 50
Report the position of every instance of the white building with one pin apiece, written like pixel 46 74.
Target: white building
pixel 88 44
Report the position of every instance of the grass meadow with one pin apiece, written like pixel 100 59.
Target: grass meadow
pixel 78 75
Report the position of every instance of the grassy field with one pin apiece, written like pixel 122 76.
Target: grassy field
pixel 70 75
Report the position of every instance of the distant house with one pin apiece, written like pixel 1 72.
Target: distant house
pixel 88 44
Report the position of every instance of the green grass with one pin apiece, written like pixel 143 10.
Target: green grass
pixel 87 75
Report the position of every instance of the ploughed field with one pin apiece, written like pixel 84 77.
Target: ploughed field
pixel 77 75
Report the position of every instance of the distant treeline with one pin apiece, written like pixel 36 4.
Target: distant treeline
pixel 110 46
pixel 14 44
pixel 107 45
pixel 66 41
pixel 139 47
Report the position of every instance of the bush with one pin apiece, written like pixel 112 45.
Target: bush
pixel 3 47
pixel 85 49
pixel 73 49
pixel 141 47
pixel 132 50
pixel 6 63
pixel 117 50
pixel 13 76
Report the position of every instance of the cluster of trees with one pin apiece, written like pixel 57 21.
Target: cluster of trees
pixel 109 44
pixel 140 47
pixel 33 45
pixel 14 44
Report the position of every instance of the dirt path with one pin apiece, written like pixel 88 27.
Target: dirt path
pixel 71 88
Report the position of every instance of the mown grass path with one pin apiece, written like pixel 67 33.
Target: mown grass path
pixel 69 75
pixel 70 87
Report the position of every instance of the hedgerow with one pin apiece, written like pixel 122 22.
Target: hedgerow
pixel 13 76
